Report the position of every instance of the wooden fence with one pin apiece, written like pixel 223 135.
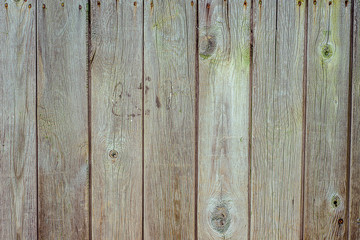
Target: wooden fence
pixel 179 119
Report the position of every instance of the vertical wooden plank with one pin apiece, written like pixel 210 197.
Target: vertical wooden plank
pixel 169 127
pixel 277 119
pixel 224 59
pixel 116 115
pixel 62 120
pixel 327 120
pixel 354 195
pixel 17 120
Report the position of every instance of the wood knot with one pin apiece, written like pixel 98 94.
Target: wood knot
pixel 113 154
pixel 220 218
pixel 327 51
pixel 207 46
pixel 335 201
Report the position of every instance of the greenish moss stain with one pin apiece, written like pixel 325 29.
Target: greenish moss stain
pixel 327 51
pixel 204 56
pixel 165 20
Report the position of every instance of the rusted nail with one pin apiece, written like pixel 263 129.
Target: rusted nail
pixel 346 3
pixel 208 5
pixel 135 3
pixel 98 3
pixel 245 3
pixel 260 3
pixel 25 0
pixel 80 7
pixel 314 2
pixel 43 6
pixel 340 221
pixel 152 4
pixel 6 5
pixel 62 4
pixel 113 154
pixel 330 2
pixel 192 3
pixel 29 5
pixel 299 3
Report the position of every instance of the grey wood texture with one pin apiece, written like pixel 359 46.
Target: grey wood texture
pixel 116 119
pixel 62 112
pixel 18 120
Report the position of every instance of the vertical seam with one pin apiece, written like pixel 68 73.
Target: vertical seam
pixel 143 128
pixel 36 122
pixel 304 109
pixel 251 69
pixel 89 46
pixel 197 83
pixel 349 148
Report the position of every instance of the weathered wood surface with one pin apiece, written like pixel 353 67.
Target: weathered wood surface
pixel 179 119
pixel 62 114
pixel 277 119
pixel 327 120
pixel 224 60
pixel 354 195
pixel 116 119
pixel 17 120
pixel 169 119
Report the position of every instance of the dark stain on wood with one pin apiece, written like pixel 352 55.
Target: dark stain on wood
pixel 220 218
pixel 158 103
pixel 207 46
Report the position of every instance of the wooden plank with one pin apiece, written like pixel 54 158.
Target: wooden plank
pixel 17 120
pixel 116 114
pixel 224 54
pixel 62 120
pixel 354 211
pixel 169 127
pixel 277 119
pixel 327 120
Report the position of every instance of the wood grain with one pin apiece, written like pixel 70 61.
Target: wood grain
pixel 116 119
pixel 327 120
pixel 62 120
pixel 169 127
pixel 354 211
pixel 277 119
pixel 224 54
pixel 17 120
